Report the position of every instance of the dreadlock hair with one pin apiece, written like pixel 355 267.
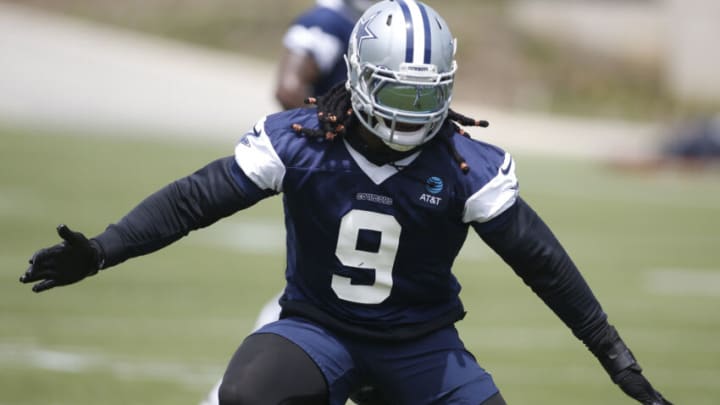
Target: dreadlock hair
pixel 456 119
pixel 335 114
pixel 334 111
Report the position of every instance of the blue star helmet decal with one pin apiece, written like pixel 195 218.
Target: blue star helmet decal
pixel 363 31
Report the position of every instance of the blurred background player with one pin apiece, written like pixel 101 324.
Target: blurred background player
pixel 312 62
pixel 691 144
pixel 314 48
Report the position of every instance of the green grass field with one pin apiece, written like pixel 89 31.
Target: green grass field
pixel 159 329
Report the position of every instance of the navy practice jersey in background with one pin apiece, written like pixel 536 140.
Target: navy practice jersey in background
pixel 373 245
pixel 323 32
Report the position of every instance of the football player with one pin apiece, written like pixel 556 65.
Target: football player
pixel 380 188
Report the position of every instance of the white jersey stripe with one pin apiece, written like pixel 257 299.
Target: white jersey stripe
pixel 495 197
pixel 256 156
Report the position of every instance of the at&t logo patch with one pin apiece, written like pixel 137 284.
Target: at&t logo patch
pixel 433 185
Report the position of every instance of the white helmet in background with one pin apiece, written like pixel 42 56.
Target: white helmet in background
pixel 401 67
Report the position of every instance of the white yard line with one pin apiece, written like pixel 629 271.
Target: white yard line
pixel 250 236
pixel 684 282
pixel 23 356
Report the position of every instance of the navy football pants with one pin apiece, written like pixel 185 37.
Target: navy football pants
pixel 434 369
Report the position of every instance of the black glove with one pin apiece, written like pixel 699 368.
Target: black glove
pixel 620 364
pixel 65 263
pixel 633 383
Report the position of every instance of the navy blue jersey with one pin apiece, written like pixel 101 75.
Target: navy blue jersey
pixel 323 32
pixel 374 245
pixel 369 248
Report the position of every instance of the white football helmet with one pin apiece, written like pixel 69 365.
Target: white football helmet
pixel 401 68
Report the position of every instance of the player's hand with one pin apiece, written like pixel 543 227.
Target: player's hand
pixel 620 364
pixel 65 263
pixel 633 383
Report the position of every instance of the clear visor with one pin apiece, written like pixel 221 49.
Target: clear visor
pixel 412 98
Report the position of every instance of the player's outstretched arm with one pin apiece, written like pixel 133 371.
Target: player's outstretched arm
pixel 526 243
pixel 68 262
pixel 167 215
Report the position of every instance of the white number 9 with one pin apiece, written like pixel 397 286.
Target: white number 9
pixel 381 262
